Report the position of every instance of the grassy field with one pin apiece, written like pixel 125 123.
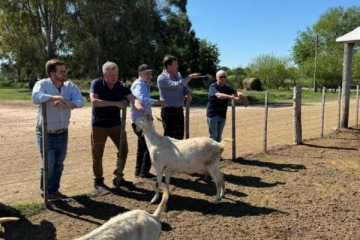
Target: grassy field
pixel 20 91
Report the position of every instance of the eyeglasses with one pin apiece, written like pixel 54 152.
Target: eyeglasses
pixel 62 72
pixel 222 76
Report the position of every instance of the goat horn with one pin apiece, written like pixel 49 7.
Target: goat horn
pixel 8 219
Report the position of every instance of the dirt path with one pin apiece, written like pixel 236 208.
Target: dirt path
pixel 309 191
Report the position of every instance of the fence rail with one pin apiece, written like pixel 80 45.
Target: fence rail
pixel 255 129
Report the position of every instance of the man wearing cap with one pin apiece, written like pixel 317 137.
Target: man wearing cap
pixel 108 96
pixel 174 90
pixel 141 90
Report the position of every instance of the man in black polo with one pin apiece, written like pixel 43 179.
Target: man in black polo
pixel 107 96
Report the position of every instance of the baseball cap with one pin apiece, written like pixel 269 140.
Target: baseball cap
pixel 144 68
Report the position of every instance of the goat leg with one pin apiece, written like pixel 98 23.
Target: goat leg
pixel 157 188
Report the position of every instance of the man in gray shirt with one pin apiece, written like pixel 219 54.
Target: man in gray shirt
pixel 174 90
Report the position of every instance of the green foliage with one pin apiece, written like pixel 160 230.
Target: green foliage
pixel 332 24
pixel 236 77
pixel 271 70
pixel 87 33
pixel 9 84
pixel 208 57
pixel 83 84
pixel 33 32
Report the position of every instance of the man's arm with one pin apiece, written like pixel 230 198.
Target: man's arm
pixel 241 97
pixel 97 102
pixel 136 103
pixel 77 100
pixel 190 77
pixel 40 96
pixel 225 96
pixel 165 82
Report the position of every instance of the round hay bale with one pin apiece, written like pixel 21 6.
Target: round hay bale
pixel 252 84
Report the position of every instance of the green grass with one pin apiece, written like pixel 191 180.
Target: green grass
pixel 15 94
pixel 20 94
pixel 286 96
pixel 29 209
pixel 200 96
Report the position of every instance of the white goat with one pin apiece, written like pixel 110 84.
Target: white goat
pixel 168 156
pixel 133 225
pixel 6 219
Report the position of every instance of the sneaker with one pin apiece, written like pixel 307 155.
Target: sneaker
pixel 124 183
pixel 149 176
pixel 100 186
pixel 57 196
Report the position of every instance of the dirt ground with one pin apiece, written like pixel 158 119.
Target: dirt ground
pixel 309 191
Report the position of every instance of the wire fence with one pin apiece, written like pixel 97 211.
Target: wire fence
pixel 20 158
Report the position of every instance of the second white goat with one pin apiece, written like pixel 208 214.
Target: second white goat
pixel 132 225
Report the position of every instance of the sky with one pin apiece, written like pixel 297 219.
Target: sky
pixel 245 29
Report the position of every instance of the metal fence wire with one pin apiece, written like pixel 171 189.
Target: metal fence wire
pixel 254 129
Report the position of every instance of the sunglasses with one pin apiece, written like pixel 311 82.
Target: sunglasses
pixel 222 76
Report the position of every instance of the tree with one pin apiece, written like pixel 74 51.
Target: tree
pixel 32 32
pixel 236 76
pixel 177 36
pixel 86 33
pixel 208 59
pixel 119 31
pixel 332 24
pixel 272 70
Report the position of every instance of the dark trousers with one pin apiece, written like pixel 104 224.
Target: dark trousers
pixel 173 118
pixel 143 162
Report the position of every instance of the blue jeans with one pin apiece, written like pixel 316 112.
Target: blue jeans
pixel 57 147
pixel 216 126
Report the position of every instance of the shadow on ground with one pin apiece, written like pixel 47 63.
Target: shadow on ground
pixel 24 229
pixel 271 165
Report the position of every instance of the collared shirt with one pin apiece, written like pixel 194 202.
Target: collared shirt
pixel 57 118
pixel 172 90
pixel 216 106
pixel 108 117
pixel 141 90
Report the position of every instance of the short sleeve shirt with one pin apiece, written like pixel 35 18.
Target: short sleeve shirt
pixel 216 106
pixel 107 117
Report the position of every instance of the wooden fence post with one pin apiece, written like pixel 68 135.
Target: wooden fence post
pixel 120 161
pixel 45 154
pixel 297 116
pixel 187 120
pixel 357 106
pixel 266 120
pixel 339 107
pixel 322 112
pixel 233 127
pixel 346 80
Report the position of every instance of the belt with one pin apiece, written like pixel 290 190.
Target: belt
pixel 58 131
